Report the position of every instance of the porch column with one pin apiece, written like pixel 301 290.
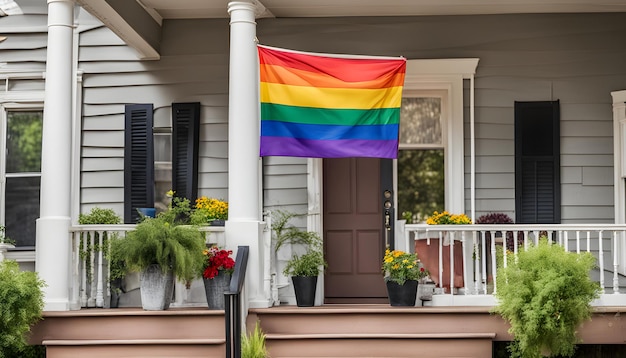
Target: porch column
pixel 244 226
pixel 52 255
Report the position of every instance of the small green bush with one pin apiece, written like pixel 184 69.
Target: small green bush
pixel 545 294
pixel 99 216
pixel 21 305
pixel 253 345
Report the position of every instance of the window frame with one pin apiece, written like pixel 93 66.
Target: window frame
pixel 33 103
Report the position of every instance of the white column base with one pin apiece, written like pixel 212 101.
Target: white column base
pixel 250 233
pixel 52 261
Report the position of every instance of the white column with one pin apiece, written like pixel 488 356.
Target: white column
pixel 52 260
pixel 244 226
pixel 619 169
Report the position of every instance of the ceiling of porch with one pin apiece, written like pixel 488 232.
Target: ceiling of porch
pixel 138 22
pixel 167 9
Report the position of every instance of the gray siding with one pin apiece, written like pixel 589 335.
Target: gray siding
pixel 575 58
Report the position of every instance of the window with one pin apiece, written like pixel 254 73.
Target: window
pixel 420 166
pixel 22 172
pixel 160 158
pixel 537 163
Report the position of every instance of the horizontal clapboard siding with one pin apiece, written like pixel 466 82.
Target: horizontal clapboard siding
pixel 114 77
pixel 575 58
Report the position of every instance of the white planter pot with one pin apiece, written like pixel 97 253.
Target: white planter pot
pixel 156 288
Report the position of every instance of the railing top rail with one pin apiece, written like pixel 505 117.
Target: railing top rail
pixel 517 227
pixel 241 265
pixel 128 227
pixel 102 227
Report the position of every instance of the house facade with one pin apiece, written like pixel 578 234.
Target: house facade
pixel 529 109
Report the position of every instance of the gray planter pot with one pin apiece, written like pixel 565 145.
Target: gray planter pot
pixel 215 288
pixel 156 288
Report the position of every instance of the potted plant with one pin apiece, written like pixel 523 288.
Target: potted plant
pixel 217 270
pixel 429 253
pixel 253 344
pixel 22 305
pixel 303 268
pixel 545 293
pixel 162 249
pixel 402 271
pixel 209 210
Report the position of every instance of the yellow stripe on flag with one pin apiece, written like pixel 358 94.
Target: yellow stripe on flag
pixel 331 97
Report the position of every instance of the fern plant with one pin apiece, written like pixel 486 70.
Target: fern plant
pixel 253 345
pixel 165 240
pixel 21 305
pixel 545 294
pixel 307 264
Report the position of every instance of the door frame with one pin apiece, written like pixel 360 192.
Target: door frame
pixel 436 74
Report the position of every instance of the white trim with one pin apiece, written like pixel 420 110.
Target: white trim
pixel 619 168
pixel 447 75
pixel 116 23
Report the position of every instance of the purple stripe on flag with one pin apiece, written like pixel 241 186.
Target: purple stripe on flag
pixel 344 148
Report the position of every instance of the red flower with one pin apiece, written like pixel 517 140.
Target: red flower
pixel 217 260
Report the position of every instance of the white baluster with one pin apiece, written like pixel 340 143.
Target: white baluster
pixel 493 259
pixel 91 301
pixel 465 272
pixel 100 288
pixel 615 264
pixel 477 257
pixel 601 260
pixel 577 241
pixel 484 261
pixel 83 288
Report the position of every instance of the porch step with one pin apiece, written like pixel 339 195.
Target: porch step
pixel 132 333
pixel 379 331
pixel 135 348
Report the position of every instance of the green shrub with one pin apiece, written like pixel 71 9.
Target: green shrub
pixel 307 264
pixel 21 305
pixel 99 216
pixel 545 294
pixel 165 240
pixel 253 345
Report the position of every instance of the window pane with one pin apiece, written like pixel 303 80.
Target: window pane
pixel 420 183
pixel 162 147
pixel 420 121
pixel 23 151
pixel 22 209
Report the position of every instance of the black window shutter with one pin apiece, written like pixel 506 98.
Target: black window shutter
pixel 185 134
pixel 138 160
pixel 537 163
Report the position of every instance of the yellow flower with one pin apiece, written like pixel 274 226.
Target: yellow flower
pixel 170 193
pixel 405 261
pixel 388 259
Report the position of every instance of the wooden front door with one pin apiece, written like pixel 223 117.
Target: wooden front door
pixel 354 239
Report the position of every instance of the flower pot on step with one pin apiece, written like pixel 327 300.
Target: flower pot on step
pixel 402 295
pixel 304 287
pixel 215 288
pixel 156 288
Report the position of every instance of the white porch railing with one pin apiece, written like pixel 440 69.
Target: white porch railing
pixel 89 281
pixel 478 253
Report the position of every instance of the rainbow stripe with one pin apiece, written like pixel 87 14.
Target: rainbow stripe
pixel 329 106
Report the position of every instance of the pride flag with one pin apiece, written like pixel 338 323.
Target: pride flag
pixel 329 106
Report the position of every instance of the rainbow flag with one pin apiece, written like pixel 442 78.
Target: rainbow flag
pixel 329 106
